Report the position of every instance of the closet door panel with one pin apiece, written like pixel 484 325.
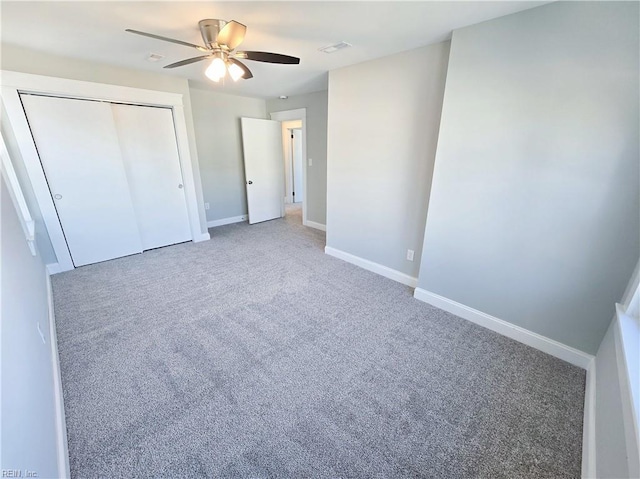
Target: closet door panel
pixel 79 151
pixel 152 164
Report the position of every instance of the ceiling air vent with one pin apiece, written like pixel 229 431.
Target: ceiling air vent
pixel 154 57
pixel 335 47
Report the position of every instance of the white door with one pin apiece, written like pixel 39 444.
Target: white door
pixel 263 168
pixel 78 148
pixel 296 162
pixel 152 165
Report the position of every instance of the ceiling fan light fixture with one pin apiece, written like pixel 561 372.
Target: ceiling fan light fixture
pixel 216 70
pixel 221 38
pixel 235 72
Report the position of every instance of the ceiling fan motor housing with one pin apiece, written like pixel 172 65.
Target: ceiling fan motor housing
pixel 209 28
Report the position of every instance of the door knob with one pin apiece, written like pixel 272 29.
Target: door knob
pixel 180 186
pixel 57 197
pixel 249 182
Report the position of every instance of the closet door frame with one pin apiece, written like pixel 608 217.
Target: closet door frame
pixel 13 83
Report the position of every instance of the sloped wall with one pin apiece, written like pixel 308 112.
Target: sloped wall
pixel 535 203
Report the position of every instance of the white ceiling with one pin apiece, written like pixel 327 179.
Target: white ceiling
pixel 95 31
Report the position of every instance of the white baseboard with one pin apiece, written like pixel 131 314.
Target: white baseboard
pixel 374 267
pixel 202 237
pixel 226 221
pixel 589 425
pixel 54 268
pixel 61 424
pixel 535 340
pixel 318 226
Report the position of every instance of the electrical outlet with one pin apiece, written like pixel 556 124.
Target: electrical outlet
pixel 310 162
pixel 410 254
pixel 206 206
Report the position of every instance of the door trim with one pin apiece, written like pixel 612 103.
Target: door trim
pixel 12 83
pixel 298 114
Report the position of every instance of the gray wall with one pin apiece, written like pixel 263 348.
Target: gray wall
pixel 28 406
pixel 316 105
pixel 383 125
pixel 29 61
pixel 534 211
pixel 216 117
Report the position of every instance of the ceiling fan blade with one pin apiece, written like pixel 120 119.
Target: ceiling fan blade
pixel 247 73
pixel 188 61
pixel 268 57
pixel 231 34
pixel 166 39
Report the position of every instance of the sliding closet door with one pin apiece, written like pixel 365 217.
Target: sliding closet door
pixel 80 155
pixel 150 155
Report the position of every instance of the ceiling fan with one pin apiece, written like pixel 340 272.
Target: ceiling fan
pixel 221 38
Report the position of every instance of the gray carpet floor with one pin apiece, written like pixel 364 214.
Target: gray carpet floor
pixel 256 355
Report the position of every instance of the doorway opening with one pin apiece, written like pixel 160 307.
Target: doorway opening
pixel 292 144
pixel 294 186
pixel 295 167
